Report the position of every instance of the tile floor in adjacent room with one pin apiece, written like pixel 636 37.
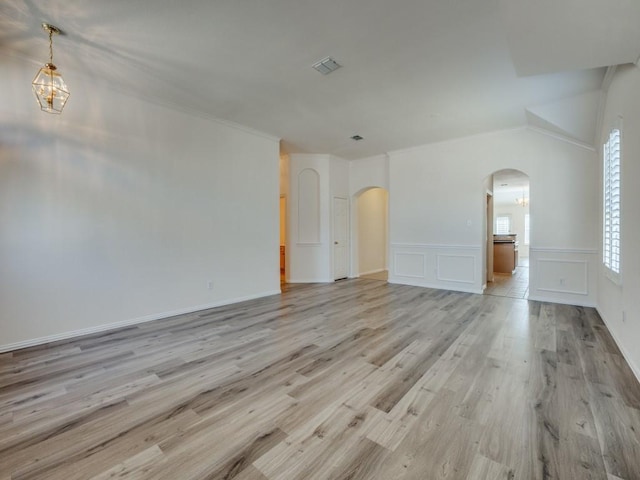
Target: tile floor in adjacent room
pixel 514 286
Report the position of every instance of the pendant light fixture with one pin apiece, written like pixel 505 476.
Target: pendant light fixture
pixel 524 201
pixel 48 86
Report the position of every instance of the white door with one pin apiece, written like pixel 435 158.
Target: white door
pixel 340 238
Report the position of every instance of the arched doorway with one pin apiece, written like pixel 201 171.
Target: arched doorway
pixel 284 226
pixel 508 234
pixel 283 237
pixel 371 232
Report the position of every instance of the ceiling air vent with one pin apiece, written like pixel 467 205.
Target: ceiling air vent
pixel 326 66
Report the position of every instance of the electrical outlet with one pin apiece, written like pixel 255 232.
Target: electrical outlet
pixel 210 285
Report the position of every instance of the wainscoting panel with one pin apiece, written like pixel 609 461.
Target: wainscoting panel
pixel 456 268
pixel 409 264
pixel 563 275
pixel 449 267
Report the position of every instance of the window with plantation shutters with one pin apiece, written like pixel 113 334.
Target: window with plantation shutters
pixel 503 225
pixel 611 204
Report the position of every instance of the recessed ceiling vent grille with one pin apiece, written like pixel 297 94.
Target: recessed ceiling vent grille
pixel 326 66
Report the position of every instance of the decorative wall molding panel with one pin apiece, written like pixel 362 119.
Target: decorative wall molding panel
pixel 563 275
pixel 456 268
pixel 448 267
pixel 558 275
pixel 409 264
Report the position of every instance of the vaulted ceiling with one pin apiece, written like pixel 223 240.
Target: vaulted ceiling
pixel 413 71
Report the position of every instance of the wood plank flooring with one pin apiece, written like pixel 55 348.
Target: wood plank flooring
pixel 354 380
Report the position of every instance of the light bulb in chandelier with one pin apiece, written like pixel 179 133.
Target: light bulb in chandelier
pixel 524 201
pixel 49 87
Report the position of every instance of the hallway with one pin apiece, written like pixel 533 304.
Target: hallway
pixel 384 276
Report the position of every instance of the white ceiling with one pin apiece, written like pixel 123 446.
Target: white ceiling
pixel 508 185
pixel 414 71
pixel 558 35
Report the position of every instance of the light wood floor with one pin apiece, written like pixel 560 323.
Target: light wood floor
pixel 354 380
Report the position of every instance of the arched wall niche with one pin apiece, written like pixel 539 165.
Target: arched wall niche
pixel 308 206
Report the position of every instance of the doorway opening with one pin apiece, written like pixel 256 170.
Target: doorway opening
pixel 508 234
pixel 340 238
pixel 283 237
pixel 284 192
pixel 372 234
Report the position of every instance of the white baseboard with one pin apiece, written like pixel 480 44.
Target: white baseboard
pixel 126 323
pixel 634 368
pixel 310 280
pixel 436 286
pixel 577 303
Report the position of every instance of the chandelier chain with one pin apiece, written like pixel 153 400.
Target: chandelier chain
pixel 49 88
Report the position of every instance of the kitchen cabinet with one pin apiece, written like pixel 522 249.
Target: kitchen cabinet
pixel 505 253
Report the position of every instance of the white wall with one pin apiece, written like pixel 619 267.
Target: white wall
pixel 309 252
pixel 614 301
pixel 314 181
pixel 121 210
pixel 372 230
pixel 339 177
pixel 517 214
pixel 437 205
pixel 368 172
